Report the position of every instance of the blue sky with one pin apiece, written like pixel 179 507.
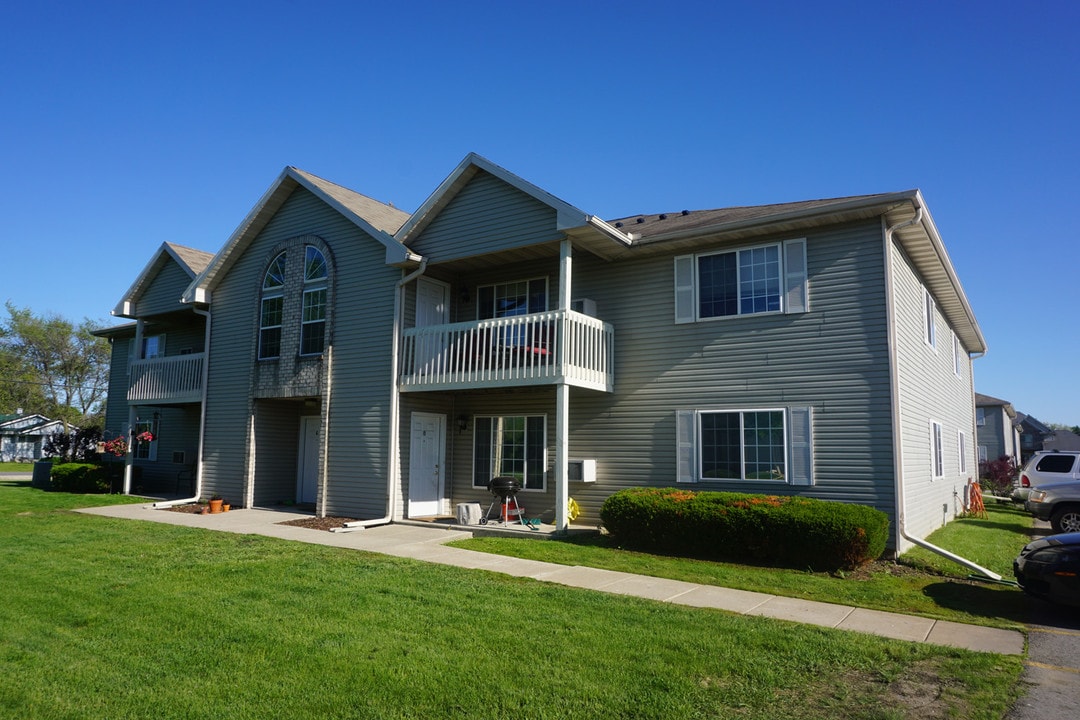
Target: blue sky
pixel 123 125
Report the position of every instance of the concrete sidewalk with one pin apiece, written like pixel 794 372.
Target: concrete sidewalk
pixel 426 544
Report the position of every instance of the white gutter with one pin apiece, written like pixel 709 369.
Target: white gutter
pixel 392 463
pixel 202 418
pixel 894 383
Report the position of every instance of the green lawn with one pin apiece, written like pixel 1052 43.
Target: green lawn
pixel 105 618
pixel 14 467
pixel 923 583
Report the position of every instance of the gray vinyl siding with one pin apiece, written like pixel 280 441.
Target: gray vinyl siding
pixel 929 391
pixel 833 358
pixel 487 215
pixel 116 409
pixel 163 293
pixel 996 433
pixel 277 433
pixel 359 413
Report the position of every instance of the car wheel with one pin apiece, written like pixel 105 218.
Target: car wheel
pixel 1066 519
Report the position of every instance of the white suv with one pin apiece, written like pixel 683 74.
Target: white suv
pixel 1047 466
pixel 1054 481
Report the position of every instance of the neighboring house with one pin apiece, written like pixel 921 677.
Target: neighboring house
pixel 380 365
pixel 22 437
pixel 1032 433
pixel 997 429
pixel 1061 440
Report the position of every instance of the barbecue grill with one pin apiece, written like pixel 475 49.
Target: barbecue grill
pixel 505 490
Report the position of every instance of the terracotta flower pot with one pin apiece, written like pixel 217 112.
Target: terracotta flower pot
pixel 215 506
pixel 225 507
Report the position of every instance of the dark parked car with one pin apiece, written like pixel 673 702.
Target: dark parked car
pixel 1049 568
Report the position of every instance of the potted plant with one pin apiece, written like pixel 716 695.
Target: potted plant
pixel 225 506
pixel 215 504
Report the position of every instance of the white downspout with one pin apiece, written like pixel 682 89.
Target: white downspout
pixel 326 430
pixel 894 382
pixel 202 417
pixel 392 460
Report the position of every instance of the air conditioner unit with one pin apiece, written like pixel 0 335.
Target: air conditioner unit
pixel 581 470
pixel 585 306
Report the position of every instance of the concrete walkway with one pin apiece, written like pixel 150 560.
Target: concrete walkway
pixel 426 543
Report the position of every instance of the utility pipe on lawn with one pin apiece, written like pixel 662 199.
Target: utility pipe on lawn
pixel 202 418
pixel 894 382
pixel 392 463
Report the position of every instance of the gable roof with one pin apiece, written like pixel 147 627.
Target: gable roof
pixel 190 260
pixel 377 219
pixel 568 217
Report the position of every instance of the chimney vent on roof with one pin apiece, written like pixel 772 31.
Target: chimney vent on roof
pixel 663 217
pixel 640 220
pixel 618 224
pixel 685 212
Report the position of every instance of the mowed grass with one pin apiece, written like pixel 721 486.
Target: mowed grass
pixel 922 583
pixel 104 618
pixel 14 467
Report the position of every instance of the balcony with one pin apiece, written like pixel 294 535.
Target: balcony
pixel 173 379
pixel 537 349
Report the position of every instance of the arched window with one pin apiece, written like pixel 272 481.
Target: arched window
pixel 313 317
pixel 270 314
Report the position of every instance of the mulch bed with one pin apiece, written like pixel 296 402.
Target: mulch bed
pixel 319 523
pixel 313 523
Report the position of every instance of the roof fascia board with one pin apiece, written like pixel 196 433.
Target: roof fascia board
pixel 201 289
pixel 883 201
pixel 127 304
pixel 567 217
pixel 932 235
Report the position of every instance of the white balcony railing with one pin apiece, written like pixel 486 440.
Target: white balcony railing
pixel 173 379
pixel 536 349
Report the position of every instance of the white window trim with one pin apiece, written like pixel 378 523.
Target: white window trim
pixel 980 416
pixel 544 460
pixel 152 446
pixel 794 284
pixel 527 281
pixel 929 319
pixel 957 368
pixel 798 445
pixel 962 451
pixel 937 450
pixel 279 326
pixel 984 453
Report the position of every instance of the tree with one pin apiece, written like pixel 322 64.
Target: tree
pixel 71 446
pixel 58 369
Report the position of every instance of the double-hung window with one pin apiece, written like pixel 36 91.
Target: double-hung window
pixel 937 450
pixel 510 446
pixel 767 444
pixel 762 279
pixel 313 313
pixel 271 309
pixel 963 451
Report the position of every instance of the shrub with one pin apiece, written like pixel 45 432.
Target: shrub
pixel 80 478
pixel 781 530
pixel 997 476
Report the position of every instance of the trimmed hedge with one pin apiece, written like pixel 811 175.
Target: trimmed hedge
pixel 79 478
pixel 778 530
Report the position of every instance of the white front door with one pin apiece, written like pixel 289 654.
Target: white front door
pixel 432 308
pixel 307 466
pixel 426 458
